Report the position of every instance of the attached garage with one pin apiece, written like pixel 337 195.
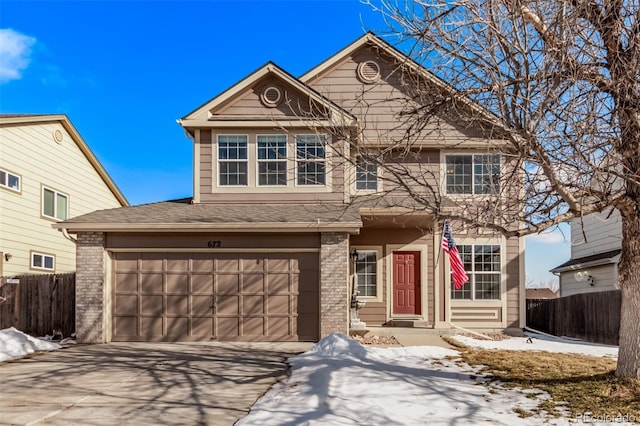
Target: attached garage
pixel 164 296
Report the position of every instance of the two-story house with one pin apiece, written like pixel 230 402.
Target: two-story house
pixel 287 205
pixel 595 252
pixel 47 174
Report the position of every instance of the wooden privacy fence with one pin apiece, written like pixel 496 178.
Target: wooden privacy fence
pixel 38 304
pixel 594 317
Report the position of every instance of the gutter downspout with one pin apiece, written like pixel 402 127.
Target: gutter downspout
pixel 65 233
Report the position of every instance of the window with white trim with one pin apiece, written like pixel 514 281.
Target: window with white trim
pixel 367 273
pixel 472 173
pixel 9 180
pixel 55 205
pixel 42 261
pixel 232 160
pixel 483 265
pixel 311 160
pixel 272 160
pixel 366 175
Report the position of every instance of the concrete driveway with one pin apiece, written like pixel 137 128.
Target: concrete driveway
pixel 142 383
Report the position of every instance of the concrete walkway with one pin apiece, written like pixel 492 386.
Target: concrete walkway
pixel 142 383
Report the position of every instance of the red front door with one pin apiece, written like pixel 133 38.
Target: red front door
pixel 406 282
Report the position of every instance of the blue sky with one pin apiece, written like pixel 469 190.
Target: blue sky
pixel 124 71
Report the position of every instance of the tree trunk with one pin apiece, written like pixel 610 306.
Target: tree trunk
pixel 629 275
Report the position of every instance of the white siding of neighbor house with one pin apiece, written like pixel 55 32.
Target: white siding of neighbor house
pixel 599 234
pixel 605 278
pixel 30 151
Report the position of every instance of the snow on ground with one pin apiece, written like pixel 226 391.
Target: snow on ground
pixel 540 342
pixel 16 344
pixel 340 382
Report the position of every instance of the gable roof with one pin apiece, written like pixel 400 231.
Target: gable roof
pixel 18 119
pixel 372 39
pixel 541 293
pixel 338 114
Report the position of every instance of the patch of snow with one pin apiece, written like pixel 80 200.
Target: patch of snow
pixel 540 342
pixel 339 382
pixel 16 344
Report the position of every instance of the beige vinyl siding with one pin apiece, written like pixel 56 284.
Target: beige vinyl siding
pixel 595 233
pixel 378 105
pixel 514 292
pixel 333 191
pixel 30 150
pixel 605 278
pixel 293 104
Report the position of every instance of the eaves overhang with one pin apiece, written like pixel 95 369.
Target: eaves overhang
pixel 600 259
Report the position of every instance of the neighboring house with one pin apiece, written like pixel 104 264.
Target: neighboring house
pixel 541 293
pixel 47 174
pixel 595 252
pixel 263 249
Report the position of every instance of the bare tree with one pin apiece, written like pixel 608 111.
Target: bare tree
pixel 559 81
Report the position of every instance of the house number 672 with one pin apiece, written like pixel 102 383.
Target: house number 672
pixel 213 244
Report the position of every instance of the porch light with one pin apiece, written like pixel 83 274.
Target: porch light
pixel 354 255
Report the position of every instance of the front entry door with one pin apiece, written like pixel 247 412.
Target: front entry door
pixel 406 282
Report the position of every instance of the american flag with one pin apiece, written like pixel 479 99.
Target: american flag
pixel 457 268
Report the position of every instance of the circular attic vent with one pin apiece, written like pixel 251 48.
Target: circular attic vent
pixel 368 71
pixel 271 96
pixel 58 136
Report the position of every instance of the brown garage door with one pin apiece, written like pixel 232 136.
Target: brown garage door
pixel 198 296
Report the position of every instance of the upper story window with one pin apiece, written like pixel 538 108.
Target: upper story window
pixel 472 174
pixel 9 180
pixel 232 160
pixel 310 160
pixel 366 175
pixel 272 160
pixel 45 262
pixel 482 263
pixel 55 205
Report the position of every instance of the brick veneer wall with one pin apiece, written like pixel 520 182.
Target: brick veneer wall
pixel 334 283
pixel 90 275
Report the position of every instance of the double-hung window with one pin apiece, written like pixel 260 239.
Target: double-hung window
pixel 232 160
pixel 272 160
pixel 367 273
pixel 473 174
pixel 42 261
pixel 311 166
pixel 55 205
pixel 482 263
pixel 9 180
pixel 366 175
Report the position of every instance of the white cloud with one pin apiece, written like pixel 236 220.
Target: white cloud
pixel 548 237
pixel 15 52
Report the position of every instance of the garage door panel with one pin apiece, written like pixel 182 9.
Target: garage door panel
pixel 152 262
pixel 177 283
pixel 151 305
pixel 203 326
pixel 227 263
pixel 202 305
pixel 126 304
pixel 228 326
pixel 279 283
pixel 253 283
pixel 151 326
pixel 252 305
pixel 253 264
pixel 178 304
pixel 202 283
pixel 225 296
pixel 253 326
pixel 228 283
pixel 228 305
pixel 177 326
pixel 278 304
pixel 202 265
pixel 151 283
pixel 126 282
